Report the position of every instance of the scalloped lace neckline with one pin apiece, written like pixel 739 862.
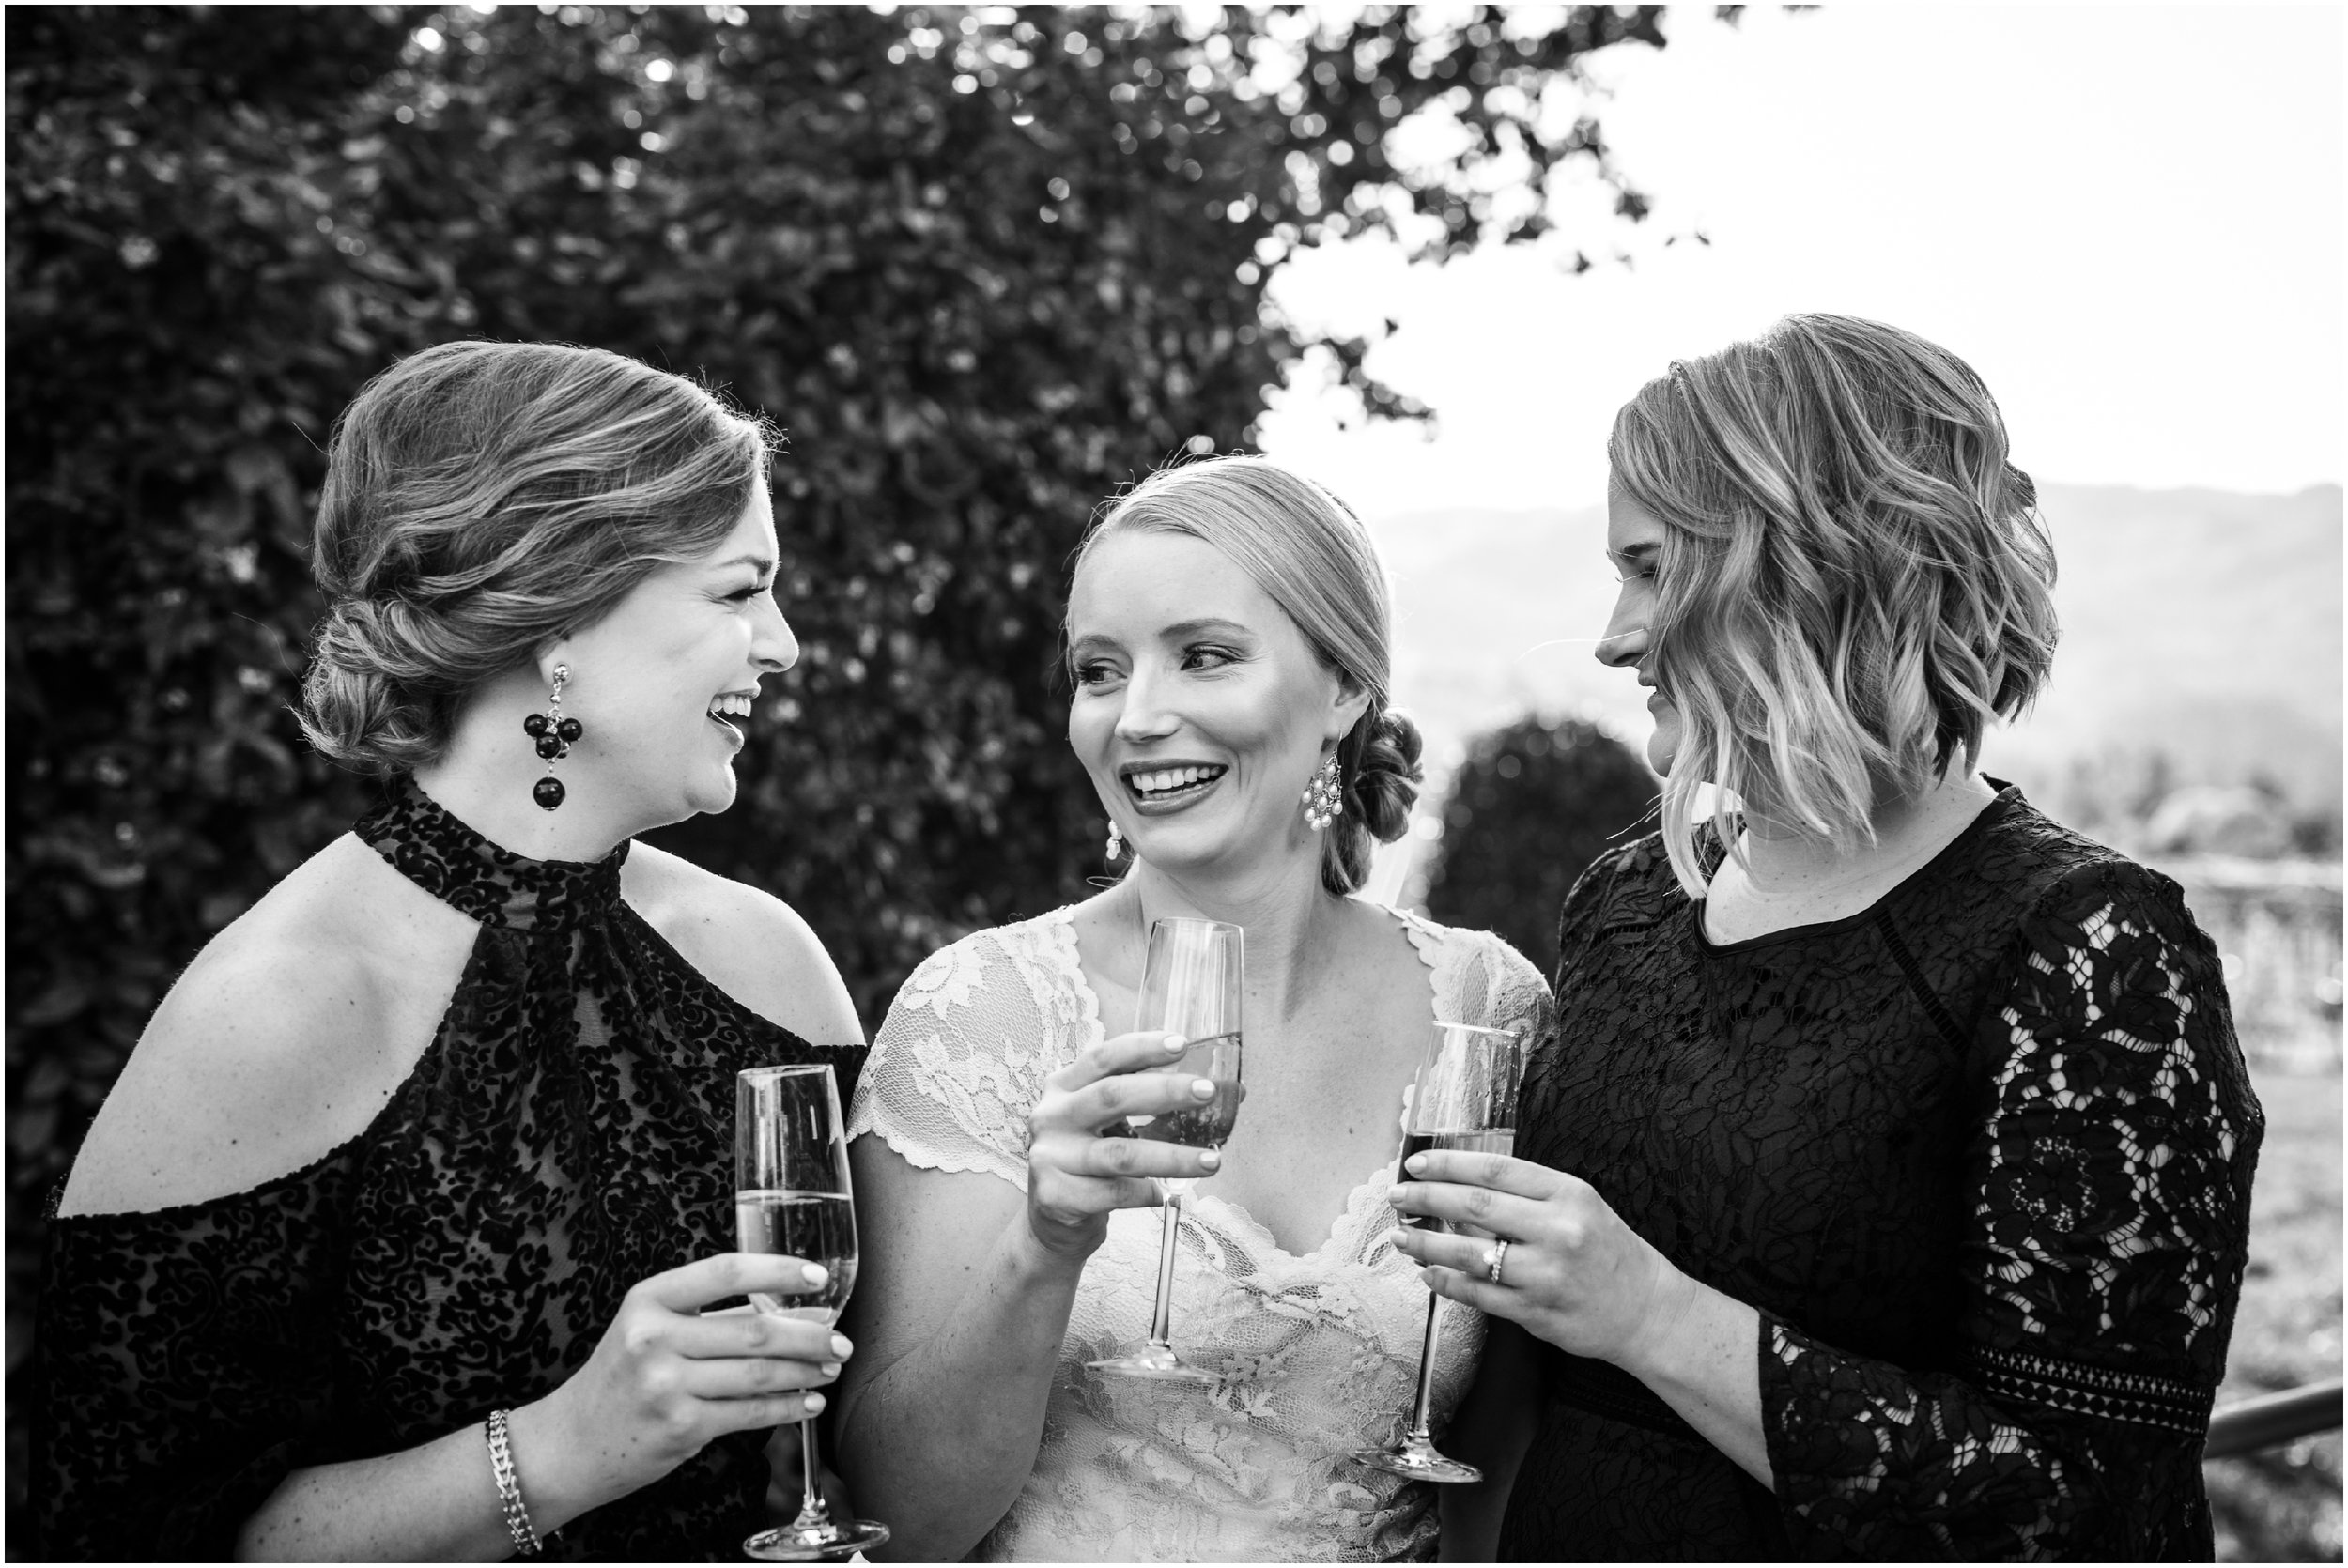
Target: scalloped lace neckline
pixel 1426 942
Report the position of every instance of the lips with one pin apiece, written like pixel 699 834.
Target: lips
pixel 731 711
pixel 1169 786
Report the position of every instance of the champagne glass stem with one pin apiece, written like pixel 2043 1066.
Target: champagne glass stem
pixel 1162 1317
pixel 1426 1370
pixel 813 1514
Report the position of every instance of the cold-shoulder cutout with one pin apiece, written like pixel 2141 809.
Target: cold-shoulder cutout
pixel 280 1041
pixel 563 1132
pixel 749 943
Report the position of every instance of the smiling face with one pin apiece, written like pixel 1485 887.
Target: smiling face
pixel 1200 712
pixel 1634 546
pixel 664 682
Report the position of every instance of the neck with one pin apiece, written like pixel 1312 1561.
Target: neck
pixel 486 776
pixel 1290 918
pixel 1910 829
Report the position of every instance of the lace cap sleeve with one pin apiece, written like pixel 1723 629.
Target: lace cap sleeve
pixel 2109 1181
pixel 183 1363
pixel 967 1043
pixel 1479 978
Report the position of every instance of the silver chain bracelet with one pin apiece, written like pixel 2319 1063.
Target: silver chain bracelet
pixel 518 1522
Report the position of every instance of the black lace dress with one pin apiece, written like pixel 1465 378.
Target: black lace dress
pixel 568 1132
pixel 1981 1158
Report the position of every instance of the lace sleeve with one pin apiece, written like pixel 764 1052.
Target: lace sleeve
pixel 2110 1182
pixel 967 1043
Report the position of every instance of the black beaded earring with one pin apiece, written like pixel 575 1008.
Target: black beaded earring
pixel 554 734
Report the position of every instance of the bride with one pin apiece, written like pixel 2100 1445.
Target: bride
pixel 1227 642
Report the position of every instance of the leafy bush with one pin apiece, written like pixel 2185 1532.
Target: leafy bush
pixel 1534 803
pixel 986 265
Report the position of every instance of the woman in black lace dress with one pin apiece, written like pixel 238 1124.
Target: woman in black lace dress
pixel 1885 1183
pixel 392 1240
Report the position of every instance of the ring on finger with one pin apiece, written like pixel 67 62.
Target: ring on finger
pixel 1494 1256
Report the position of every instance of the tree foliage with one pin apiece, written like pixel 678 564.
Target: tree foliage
pixel 984 264
pixel 1534 803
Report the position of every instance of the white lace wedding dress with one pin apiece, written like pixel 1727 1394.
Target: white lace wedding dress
pixel 1318 1354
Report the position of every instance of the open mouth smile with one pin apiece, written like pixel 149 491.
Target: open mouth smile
pixel 731 711
pixel 1169 786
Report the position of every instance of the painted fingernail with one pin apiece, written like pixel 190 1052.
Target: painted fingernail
pixel 1394 1193
pixel 831 1369
pixel 816 1404
pixel 1415 1164
pixel 1210 1160
pixel 841 1347
pixel 814 1274
pixel 1174 1044
pixel 1202 1087
pixel 1394 1236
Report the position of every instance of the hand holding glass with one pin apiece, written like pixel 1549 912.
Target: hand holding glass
pixel 791 1196
pixel 1190 986
pixel 1465 1099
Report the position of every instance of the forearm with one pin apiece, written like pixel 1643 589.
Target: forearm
pixel 1701 1356
pixel 437 1502
pixel 939 1441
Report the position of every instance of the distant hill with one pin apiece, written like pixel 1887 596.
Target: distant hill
pixel 2196 624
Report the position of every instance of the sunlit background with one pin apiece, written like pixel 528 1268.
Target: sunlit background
pixel 2127 219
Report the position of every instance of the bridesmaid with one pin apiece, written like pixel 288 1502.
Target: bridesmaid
pixel 393 1239
pixel 1887 1179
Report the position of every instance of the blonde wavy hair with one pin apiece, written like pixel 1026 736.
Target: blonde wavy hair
pixel 1853 580
pixel 1311 556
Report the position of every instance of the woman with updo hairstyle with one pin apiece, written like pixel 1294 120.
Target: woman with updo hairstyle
pixel 1883 1189
pixel 394 1238
pixel 1227 644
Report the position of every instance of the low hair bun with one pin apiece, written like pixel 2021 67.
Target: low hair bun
pixel 1386 778
pixel 1380 761
pixel 376 683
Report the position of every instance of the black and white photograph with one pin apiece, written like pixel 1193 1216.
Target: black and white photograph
pixel 706 702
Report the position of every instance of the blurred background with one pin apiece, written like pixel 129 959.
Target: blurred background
pixel 988 264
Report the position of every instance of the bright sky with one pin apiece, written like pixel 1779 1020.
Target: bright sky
pixel 2128 219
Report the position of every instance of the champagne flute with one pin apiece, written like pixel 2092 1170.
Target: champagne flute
pixel 1464 1098
pixel 791 1196
pixel 1190 986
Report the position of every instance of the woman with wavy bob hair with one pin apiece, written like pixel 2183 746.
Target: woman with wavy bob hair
pixel 392 1238
pixel 1227 642
pixel 1884 1188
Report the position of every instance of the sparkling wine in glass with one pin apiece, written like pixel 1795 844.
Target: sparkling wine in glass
pixel 791 1196
pixel 1190 986
pixel 1464 1098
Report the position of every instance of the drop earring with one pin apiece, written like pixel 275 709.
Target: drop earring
pixel 1325 798
pixel 1117 841
pixel 554 734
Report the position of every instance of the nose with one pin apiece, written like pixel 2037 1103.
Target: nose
pixel 773 647
pixel 1142 717
pixel 1628 640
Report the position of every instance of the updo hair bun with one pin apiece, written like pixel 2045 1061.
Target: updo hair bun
pixel 381 690
pixel 1379 756
pixel 1385 782
pixel 484 500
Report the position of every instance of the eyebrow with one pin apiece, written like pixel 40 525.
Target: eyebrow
pixel 1092 640
pixel 758 563
pixel 1636 553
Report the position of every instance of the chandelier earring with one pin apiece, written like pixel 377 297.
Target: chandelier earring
pixel 1325 798
pixel 554 734
pixel 1117 841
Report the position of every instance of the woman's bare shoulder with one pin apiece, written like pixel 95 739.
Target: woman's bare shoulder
pixel 749 943
pixel 280 1041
